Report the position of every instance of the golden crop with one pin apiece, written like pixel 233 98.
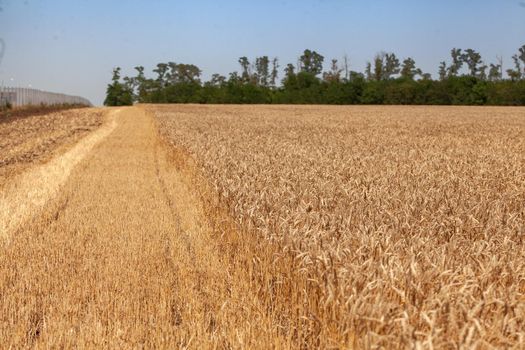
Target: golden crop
pixel 393 227
pixel 263 227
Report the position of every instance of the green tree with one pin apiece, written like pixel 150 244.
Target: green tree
pixel 521 56
pixel 457 62
pixel 494 72
pixel 142 90
pixel 245 64
pixel 408 69
pixel 184 73
pixel 162 72
pixel 262 69
pixel 117 94
pixel 386 65
pixel 290 77
pixel 378 72
pixel 217 80
pixel 392 66
pixel 443 71
pixel 515 74
pixel 311 62
pixel 275 72
pixel 368 72
pixel 334 74
pixel 474 63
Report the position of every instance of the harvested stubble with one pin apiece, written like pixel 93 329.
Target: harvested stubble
pixel 27 140
pixel 365 227
pixel 121 256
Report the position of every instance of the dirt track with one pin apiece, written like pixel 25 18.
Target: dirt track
pixel 121 258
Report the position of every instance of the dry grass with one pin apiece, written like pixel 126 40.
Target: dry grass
pixel 367 227
pixel 27 140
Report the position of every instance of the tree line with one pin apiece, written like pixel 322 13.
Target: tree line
pixel 465 79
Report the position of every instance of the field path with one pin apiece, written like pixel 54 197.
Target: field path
pixel 122 258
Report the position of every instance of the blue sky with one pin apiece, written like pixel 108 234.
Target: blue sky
pixel 71 46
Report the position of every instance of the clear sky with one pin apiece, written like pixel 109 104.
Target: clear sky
pixel 71 46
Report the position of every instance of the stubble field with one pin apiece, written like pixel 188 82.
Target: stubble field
pixel 392 227
pixel 34 139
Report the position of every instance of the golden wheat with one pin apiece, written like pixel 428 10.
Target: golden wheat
pixel 369 227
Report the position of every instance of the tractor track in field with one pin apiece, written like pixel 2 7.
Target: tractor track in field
pixel 114 250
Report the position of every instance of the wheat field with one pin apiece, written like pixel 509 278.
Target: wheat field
pixel 371 227
pixel 264 227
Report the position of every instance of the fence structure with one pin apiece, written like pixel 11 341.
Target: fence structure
pixel 19 97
